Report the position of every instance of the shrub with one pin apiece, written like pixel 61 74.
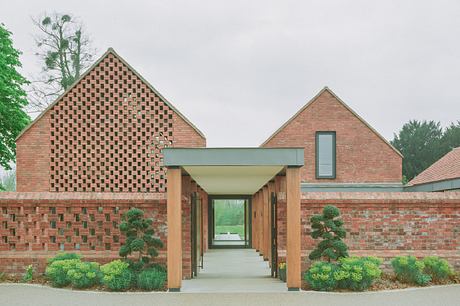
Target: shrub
pixel 357 273
pixel 57 271
pixel 28 275
pixel 116 275
pixel 330 229
pixel 84 274
pixel 437 268
pixel 63 256
pixel 140 239
pixel 321 276
pixel 410 270
pixel 151 279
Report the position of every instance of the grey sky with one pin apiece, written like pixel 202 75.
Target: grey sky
pixel 240 69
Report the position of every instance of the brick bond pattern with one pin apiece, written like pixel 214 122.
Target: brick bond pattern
pixel 386 225
pixel 35 226
pixel 362 157
pixel 104 135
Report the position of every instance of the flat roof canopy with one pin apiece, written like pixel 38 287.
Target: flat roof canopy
pixel 230 171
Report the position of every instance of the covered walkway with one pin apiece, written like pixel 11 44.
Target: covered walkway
pixel 234 270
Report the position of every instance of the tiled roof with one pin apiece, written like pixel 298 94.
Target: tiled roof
pixel 446 168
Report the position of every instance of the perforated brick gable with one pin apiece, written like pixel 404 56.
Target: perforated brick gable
pixel 106 134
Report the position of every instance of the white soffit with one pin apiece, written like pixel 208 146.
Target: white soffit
pixel 232 179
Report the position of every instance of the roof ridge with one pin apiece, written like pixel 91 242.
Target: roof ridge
pixel 109 50
pixel 311 101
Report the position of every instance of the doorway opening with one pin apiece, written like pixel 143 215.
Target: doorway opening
pixel 229 222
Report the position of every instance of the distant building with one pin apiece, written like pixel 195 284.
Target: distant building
pixel 443 175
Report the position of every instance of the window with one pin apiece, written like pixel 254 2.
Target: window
pixel 325 155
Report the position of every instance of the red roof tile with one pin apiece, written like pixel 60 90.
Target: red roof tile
pixel 446 168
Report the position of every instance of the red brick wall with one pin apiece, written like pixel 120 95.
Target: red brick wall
pixel 389 224
pixel 32 157
pixel 34 226
pixel 362 157
pixel 105 135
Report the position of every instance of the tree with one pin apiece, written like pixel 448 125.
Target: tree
pixel 65 50
pixel 329 227
pixel 451 137
pixel 420 144
pixel 13 119
pixel 140 239
pixel 8 181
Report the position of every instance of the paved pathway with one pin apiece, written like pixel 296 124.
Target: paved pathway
pixel 25 295
pixel 234 270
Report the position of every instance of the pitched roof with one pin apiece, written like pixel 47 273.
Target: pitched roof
pixel 326 89
pixel 111 51
pixel 446 168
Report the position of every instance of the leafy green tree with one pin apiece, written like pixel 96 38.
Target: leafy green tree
pixel 140 239
pixel 451 137
pixel 329 227
pixel 13 119
pixel 420 144
pixel 8 181
pixel 65 50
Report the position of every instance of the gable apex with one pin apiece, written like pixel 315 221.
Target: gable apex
pixel 110 50
pixel 314 99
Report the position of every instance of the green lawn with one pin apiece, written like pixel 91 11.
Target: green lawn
pixel 234 229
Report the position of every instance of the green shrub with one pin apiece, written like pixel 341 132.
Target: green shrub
pixel 28 275
pixel 140 239
pixel 151 279
pixel 56 272
pixel 437 268
pixel 63 256
pixel 329 228
pixel 84 274
pixel 410 270
pixel 321 276
pixel 357 273
pixel 117 276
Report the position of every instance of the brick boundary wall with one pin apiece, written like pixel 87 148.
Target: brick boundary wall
pixel 35 226
pixel 386 224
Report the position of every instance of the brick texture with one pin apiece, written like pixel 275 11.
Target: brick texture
pixel 362 156
pixel 104 135
pixel 32 157
pixel 35 226
pixel 387 224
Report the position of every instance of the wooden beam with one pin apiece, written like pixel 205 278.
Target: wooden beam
pixel 174 218
pixel 293 228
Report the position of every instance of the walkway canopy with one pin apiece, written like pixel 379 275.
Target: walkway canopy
pixel 241 171
pixel 232 171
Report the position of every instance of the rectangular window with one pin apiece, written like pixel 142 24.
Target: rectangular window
pixel 325 155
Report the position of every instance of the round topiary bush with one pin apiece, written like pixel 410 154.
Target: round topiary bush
pixel 320 276
pixel 116 275
pixel 57 271
pixel 151 279
pixel 84 275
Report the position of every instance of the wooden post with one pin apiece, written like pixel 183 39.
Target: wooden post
pixel 174 218
pixel 293 228
pixel 266 222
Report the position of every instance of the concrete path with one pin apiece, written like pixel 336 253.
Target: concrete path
pixel 25 295
pixel 234 270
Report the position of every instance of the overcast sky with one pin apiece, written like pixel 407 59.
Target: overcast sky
pixel 239 69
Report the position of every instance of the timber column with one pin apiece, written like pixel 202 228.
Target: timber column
pixel 293 228
pixel 174 239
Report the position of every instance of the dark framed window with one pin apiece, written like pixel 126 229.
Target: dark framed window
pixel 325 155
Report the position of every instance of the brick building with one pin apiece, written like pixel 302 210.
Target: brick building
pixel 112 142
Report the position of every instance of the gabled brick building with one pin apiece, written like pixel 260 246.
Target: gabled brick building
pixel 105 134
pixel 112 142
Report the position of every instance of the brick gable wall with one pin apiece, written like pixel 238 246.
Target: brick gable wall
pixel 362 157
pixel 104 135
